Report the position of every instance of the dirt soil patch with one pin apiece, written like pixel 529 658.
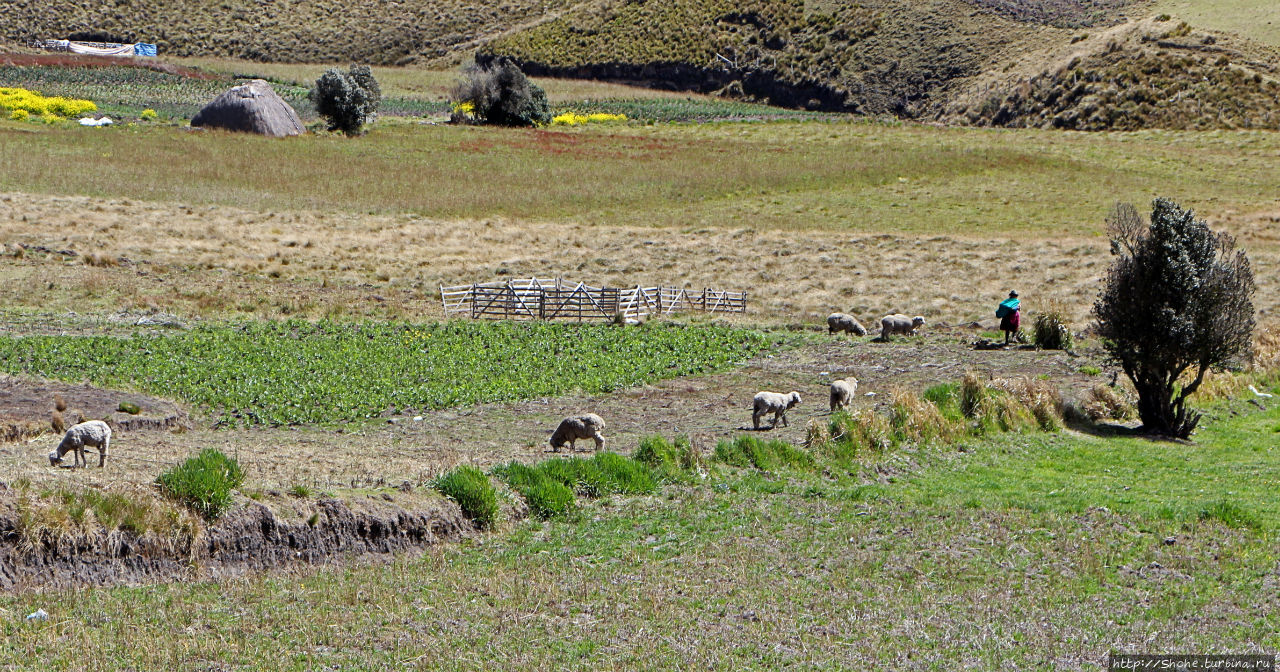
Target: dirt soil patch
pixel 27 406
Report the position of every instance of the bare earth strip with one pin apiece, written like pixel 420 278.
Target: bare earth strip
pixel 417 447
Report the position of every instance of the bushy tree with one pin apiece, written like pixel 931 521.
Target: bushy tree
pixel 501 94
pixel 1178 299
pixel 347 100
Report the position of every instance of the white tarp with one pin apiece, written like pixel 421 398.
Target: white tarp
pixel 117 50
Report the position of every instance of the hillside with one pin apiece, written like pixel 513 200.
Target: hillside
pixel 1073 64
pixel 380 32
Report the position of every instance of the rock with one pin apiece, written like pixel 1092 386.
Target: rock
pixel 253 107
pixel 38 615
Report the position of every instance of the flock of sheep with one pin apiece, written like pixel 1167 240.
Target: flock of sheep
pixel 765 403
pixel 97 434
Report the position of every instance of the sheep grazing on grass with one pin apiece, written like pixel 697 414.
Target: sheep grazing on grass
pixel 837 322
pixel 775 403
pixel 577 427
pixel 94 433
pixel 842 392
pixel 899 324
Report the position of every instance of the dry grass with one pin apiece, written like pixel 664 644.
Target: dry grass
pixel 220 262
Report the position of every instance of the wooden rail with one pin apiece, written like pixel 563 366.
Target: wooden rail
pixel 555 299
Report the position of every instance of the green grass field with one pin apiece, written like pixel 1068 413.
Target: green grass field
pixel 1258 21
pixel 1027 553
pixel 282 373
pixel 854 176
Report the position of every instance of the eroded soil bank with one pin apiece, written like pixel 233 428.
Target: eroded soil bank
pixel 253 537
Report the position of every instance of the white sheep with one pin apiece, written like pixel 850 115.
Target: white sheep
pixel 577 427
pixel 775 403
pixel 899 324
pixel 847 323
pixel 842 392
pixel 92 433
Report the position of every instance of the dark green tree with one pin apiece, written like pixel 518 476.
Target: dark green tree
pixel 501 94
pixel 1177 300
pixel 347 100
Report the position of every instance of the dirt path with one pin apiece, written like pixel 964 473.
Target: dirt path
pixel 707 408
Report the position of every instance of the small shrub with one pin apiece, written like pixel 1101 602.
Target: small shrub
pixel 475 495
pixel 1051 329
pixel 148 115
pixel 203 483
pixel 20 115
pixel 129 407
pixel 1090 370
pixel 58 423
pixel 502 95
pixel 300 490
pixel 347 100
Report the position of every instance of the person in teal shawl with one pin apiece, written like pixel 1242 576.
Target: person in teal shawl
pixel 1009 313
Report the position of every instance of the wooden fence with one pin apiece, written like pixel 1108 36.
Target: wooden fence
pixel 553 298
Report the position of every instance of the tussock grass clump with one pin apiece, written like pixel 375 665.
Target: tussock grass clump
pixel 918 421
pixel 475 495
pixel 549 499
pixel 1230 514
pixel 59 515
pixel 1103 402
pixel 1266 350
pixel 749 452
pixel 1051 330
pixel 672 461
pixel 204 482
pixel 544 486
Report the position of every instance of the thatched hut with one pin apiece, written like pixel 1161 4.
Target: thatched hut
pixel 253 107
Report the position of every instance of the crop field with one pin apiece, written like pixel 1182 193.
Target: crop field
pixel 284 294
pixel 285 373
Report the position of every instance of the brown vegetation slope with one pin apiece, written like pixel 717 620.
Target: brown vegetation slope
pixel 381 32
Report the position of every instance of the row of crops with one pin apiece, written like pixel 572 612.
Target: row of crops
pixel 123 91
pixel 296 372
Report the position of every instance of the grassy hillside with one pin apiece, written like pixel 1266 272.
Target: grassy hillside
pixel 880 56
pixel 1075 64
pixel 1159 72
pixel 1078 64
pixel 377 31
pixel 1257 21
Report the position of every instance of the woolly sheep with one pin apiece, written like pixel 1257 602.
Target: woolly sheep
pixel 842 392
pixel 93 433
pixel 775 403
pixel 847 323
pixel 899 324
pixel 577 427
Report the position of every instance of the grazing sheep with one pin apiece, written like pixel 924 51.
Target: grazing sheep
pixel 775 403
pixel 899 324
pixel 93 433
pixel 847 323
pixel 577 427
pixel 842 392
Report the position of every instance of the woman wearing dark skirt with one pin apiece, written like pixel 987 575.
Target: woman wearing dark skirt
pixel 1009 313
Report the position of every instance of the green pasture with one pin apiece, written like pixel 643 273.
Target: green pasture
pixel 1026 552
pixel 281 373
pixel 844 175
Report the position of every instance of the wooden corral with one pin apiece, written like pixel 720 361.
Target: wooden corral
pixel 555 299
